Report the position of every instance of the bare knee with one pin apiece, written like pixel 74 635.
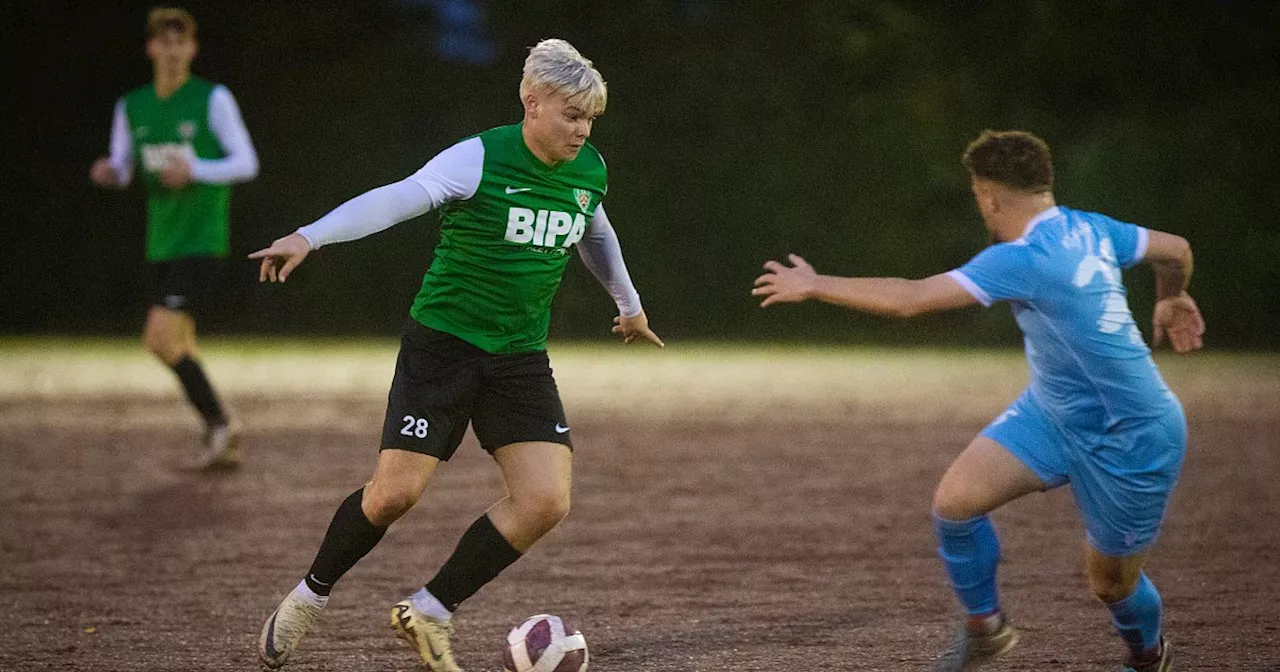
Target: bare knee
pixel 157 343
pixel 384 504
pixel 397 484
pixel 1112 586
pixel 542 510
pixel 164 344
pixel 981 479
pixel 951 502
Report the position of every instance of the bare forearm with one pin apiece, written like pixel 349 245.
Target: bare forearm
pixel 881 296
pixel 1170 258
pixel 1173 276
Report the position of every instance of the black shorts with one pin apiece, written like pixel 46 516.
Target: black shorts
pixel 187 284
pixel 443 382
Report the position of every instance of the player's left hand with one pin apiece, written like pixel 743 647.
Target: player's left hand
pixel 103 174
pixel 1178 317
pixel 631 328
pixel 786 284
pixel 176 173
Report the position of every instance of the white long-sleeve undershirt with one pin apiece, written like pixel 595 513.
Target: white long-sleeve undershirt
pixel 602 255
pixel 455 174
pixel 121 147
pixel 373 211
pixel 240 160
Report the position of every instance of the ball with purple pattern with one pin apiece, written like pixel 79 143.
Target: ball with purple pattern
pixel 545 643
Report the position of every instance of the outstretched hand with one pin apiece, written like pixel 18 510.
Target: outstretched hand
pixel 288 252
pixel 631 328
pixel 1178 317
pixel 785 284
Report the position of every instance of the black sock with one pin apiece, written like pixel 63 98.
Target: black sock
pixel 482 553
pixel 350 537
pixel 199 391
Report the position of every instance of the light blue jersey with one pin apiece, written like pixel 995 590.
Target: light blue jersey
pixel 1090 369
pixel 1097 414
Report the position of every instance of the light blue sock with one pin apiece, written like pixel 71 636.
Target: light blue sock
pixel 1137 617
pixel 969 550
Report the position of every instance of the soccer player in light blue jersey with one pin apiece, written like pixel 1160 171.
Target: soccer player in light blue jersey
pixel 1096 415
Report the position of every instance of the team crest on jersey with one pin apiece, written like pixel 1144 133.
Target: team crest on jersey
pixel 583 197
pixel 187 130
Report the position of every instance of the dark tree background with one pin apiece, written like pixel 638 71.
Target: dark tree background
pixel 736 132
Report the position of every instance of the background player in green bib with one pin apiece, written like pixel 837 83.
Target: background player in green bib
pixel 192 144
pixel 513 202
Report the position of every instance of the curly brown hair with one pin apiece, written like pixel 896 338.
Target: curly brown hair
pixel 1016 159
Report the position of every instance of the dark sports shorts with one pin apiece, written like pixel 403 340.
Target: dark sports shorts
pixel 443 382
pixel 187 284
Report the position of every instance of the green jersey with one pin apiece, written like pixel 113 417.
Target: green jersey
pixel 503 250
pixel 190 221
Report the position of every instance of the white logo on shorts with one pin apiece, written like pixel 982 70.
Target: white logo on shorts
pixel 175 301
pixel 1010 413
pixel 561 429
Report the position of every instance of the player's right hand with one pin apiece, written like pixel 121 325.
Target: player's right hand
pixel 1178 317
pixel 103 174
pixel 288 252
pixel 785 284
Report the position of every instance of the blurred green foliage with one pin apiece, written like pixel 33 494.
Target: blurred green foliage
pixel 736 132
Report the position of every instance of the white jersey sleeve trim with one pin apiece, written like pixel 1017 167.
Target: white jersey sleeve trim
pixel 240 162
pixel 1140 251
pixel 121 146
pixel 454 174
pixel 602 255
pixel 970 286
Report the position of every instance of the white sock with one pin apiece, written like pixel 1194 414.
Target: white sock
pixel 303 592
pixel 428 604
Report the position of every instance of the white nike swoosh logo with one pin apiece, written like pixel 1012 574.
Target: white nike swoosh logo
pixel 561 429
pixel 513 190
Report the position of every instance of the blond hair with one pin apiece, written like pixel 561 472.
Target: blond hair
pixel 160 19
pixel 556 68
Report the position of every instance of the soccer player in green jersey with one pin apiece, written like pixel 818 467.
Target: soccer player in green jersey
pixel 193 145
pixel 513 202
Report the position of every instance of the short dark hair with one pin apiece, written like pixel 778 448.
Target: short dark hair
pixel 1016 159
pixel 162 19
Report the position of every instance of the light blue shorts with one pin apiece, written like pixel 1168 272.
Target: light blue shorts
pixel 1121 480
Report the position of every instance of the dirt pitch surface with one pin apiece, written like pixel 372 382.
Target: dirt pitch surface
pixel 734 510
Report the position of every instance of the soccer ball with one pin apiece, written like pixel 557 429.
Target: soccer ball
pixel 545 643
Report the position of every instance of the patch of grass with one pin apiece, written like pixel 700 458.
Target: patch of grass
pixel 700 379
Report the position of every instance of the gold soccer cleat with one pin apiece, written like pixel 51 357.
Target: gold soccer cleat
pixel 428 636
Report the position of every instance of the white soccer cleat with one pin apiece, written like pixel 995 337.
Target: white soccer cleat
pixel 221 449
pixel 428 636
pixel 284 629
